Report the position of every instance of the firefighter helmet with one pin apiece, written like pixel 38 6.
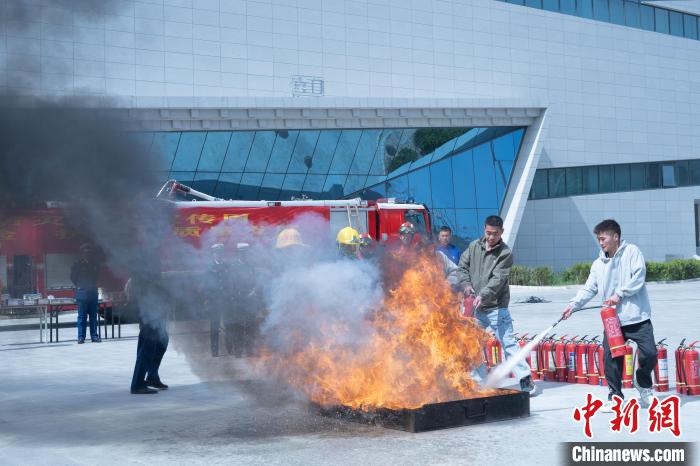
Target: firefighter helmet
pixel 288 237
pixel 365 239
pixel 407 228
pixel 348 236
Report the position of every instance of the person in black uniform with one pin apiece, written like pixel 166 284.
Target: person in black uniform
pixel 147 293
pixel 84 274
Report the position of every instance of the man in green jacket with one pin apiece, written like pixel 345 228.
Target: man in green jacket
pixel 483 270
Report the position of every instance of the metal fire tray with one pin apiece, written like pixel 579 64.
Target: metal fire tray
pixel 506 404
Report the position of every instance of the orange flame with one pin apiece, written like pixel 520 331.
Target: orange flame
pixel 419 350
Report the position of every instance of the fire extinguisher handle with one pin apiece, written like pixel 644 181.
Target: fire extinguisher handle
pixel 661 342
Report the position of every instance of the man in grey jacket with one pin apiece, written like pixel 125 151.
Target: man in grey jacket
pixel 483 270
pixel 619 273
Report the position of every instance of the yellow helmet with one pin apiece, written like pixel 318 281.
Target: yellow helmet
pixel 348 236
pixel 288 237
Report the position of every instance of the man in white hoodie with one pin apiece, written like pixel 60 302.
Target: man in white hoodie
pixel 619 273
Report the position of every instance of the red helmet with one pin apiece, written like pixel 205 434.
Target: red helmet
pixel 407 228
pixel 365 239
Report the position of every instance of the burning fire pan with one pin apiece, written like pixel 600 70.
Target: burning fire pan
pixel 506 404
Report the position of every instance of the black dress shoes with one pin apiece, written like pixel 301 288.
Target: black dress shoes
pixel 143 391
pixel 156 384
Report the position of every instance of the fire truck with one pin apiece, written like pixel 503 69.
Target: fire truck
pixel 38 247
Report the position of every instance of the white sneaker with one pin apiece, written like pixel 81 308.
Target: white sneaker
pixel 607 407
pixel 645 395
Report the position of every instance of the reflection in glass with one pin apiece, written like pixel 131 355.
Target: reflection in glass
pixel 419 187
pixel 227 187
pixel 321 160
pixel 485 178
pixel 214 151
pixel 334 186
pixel 292 185
pixel 676 22
pixel 205 181
pixel 303 151
pixel 631 13
pixel 355 183
pixel 346 150
pixel 250 185
pixel 164 146
pixel 467 224
pixel 282 151
pixel 463 180
pixel 441 184
pixel 313 185
pixel 260 151
pixel 397 187
pixel 270 187
pixel 188 151
pixel 638 176
pixel 238 150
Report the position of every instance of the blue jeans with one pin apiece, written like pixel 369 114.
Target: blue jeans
pixel 87 308
pixel 501 324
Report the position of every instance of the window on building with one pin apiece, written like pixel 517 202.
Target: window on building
pixel 668 173
pixel 605 178
pixel 590 180
pixel 584 8
pixel 653 176
pixel 551 5
pixel 3 273
pixel 617 12
pixel 557 182
pixel 574 181
pixel 622 177
pixel 676 23
pixel 694 172
pixel 682 175
pixel 539 188
pixel 601 10
pixel 638 176
pixel 567 6
pixel 646 17
pixel 631 13
pixel 690 26
pixel 661 20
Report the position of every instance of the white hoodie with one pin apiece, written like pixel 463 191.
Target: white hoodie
pixel 623 275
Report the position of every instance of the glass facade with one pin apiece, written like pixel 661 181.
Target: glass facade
pixel 632 13
pixel 597 179
pixel 461 174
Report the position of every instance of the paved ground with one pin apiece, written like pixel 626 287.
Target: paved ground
pixel 68 404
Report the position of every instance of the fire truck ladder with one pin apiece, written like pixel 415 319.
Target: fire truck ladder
pixel 353 213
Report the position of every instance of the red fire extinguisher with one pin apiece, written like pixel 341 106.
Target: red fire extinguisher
pixel 613 331
pixel 661 368
pixel 691 374
pixel 601 366
pixel 592 369
pixel 548 361
pixel 533 362
pixel 581 361
pixel 559 357
pixel 493 352
pixel 628 367
pixel 678 357
pixel 468 305
pixel 571 355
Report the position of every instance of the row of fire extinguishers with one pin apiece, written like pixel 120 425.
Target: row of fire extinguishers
pixel 580 360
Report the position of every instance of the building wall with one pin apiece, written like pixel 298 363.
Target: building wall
pixel 612 93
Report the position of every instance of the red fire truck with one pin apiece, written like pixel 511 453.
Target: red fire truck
pixel 37 247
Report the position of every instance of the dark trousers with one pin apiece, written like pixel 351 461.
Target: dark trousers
pixel 642 334
pixel 87 308
pixel 151 346
pixel 238 337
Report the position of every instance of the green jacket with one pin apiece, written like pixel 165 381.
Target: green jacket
pixel 487 272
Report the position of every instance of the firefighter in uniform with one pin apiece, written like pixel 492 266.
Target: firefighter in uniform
pixel 348 240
